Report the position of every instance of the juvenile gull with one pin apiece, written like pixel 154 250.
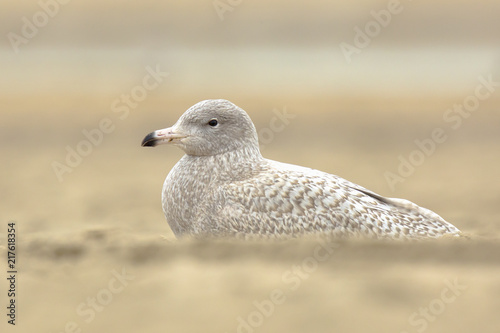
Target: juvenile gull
pixel 224 187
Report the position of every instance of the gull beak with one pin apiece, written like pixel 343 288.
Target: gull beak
pixel 166 135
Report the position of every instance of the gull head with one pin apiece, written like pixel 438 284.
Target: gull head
pixel 208 128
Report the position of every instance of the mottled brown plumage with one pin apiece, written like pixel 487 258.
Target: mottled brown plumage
pixel 224 187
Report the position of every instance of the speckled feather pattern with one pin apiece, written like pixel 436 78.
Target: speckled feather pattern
pixel 240 193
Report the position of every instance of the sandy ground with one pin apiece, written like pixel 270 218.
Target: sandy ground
pixel 94 252
pixel 110 280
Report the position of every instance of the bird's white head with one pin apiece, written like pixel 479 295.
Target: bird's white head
pixel 208 128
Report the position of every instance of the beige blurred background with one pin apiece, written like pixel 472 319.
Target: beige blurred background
pixel 353 118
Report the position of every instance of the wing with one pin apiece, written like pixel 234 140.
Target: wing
pixel 288 200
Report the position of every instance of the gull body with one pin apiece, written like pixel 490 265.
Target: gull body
pixel 223 186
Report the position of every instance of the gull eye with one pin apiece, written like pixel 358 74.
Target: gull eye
pixel 213 122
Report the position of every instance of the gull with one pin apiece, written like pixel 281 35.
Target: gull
pixel 224 187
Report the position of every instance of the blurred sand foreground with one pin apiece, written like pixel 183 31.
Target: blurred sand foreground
pixel 106 280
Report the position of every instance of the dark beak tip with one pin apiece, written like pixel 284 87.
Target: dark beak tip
pixel 148 144
pixel 149 140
